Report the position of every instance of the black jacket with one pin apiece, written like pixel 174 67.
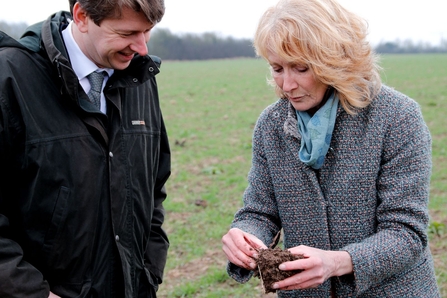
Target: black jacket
pixel 81 192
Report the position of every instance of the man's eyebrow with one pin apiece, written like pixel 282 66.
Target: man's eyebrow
pixel 131 30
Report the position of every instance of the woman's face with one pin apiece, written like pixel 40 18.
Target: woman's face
pixel 298 83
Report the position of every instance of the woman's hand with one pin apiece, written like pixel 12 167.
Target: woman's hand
pixel 318 265
pixel 241 248
pixel 53 296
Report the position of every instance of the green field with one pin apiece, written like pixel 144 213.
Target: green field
pixel 210 108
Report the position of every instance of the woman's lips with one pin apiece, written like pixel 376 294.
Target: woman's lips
pixel 297 98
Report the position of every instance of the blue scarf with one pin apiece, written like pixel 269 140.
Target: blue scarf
pixel 316 132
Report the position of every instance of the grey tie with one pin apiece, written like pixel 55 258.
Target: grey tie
pixel 95 79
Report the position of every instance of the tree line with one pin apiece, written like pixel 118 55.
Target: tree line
pixel 209 45
pixel 409 47
pixel 189 46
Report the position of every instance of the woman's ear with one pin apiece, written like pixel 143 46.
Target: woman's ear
pixel 80 17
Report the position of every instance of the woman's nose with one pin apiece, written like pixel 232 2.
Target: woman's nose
pixel 289 82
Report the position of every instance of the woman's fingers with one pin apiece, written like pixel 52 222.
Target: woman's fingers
pixel 241 248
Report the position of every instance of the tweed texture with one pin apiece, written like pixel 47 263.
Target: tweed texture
pixel 369 198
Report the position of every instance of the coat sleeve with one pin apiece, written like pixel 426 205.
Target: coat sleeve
pixel 259 216
pixel 17 277
pixel 402 194
pixel 157 251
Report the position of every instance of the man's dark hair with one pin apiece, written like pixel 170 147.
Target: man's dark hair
pixel 98 10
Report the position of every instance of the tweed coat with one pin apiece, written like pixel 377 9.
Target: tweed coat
pixel 369 198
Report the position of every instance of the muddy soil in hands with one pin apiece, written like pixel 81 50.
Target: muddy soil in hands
pixel 268 271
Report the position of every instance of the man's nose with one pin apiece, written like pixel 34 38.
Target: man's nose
pixel 139 44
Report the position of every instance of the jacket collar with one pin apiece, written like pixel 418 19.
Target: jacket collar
pixel 291 122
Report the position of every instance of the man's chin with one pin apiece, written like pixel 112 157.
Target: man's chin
pixel 120 65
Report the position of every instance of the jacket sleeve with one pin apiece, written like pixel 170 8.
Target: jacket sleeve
pixel 157 250
pixel 259 216
pixel 17 277
pixel 402 194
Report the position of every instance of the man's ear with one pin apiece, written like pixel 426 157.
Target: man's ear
pixel 80 17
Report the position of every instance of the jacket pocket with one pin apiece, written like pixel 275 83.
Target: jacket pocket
pixel 57 221
pixel 148 288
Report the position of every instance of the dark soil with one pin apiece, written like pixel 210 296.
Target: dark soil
pixel 268 262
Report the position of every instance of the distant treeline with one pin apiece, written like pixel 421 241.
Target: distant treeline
pixel 409 47
pixel 189 46
pixel 203 46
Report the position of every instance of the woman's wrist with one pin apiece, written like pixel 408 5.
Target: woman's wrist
pixel 343 263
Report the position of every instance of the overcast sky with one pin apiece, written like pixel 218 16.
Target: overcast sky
pixel 388 19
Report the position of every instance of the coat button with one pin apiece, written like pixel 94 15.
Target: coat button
pixel 151 69
pixel 110 154
pixel 135 80
pixel 117 238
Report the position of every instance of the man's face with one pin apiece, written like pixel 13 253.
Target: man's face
pixel 114 43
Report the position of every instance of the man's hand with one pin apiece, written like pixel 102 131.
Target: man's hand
pixel 53 296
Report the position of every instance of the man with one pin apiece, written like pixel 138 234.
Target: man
pixel 82 175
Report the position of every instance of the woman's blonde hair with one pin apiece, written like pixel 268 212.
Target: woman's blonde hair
pixel 327 38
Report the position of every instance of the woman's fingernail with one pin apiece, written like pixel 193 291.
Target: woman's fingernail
pixel 275 286
pixel 253 265
pixel 255 256
pixel 282 267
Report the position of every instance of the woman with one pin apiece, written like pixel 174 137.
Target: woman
pixel 341 164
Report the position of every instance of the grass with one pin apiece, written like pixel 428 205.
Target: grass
pixel 210 108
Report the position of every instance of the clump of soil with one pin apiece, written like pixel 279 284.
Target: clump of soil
pixel 268 271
